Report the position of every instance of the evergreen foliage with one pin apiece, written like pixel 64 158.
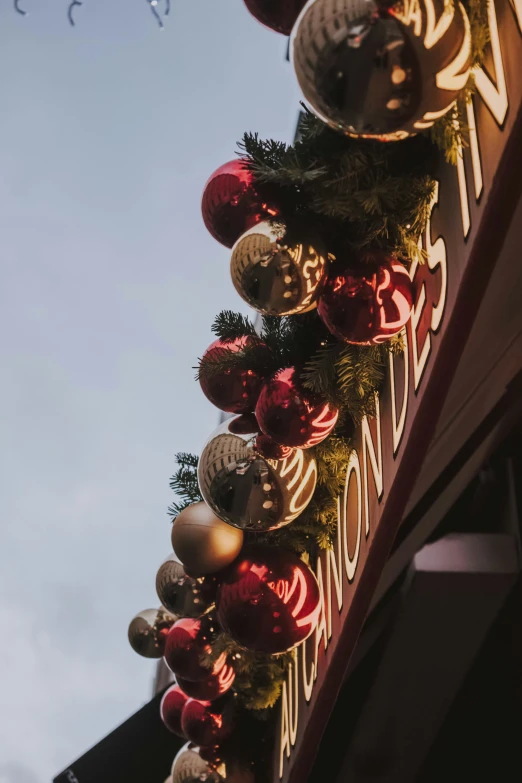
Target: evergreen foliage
pixel 184 483
pixel 259 676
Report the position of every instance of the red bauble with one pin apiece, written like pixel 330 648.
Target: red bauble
pixel 171 708
pixel 268 600
pixel 368 304
pixel 206 723
pixel 188 639
pixel 278 15
pixel 214 686
pixel 269 449
pixel 292 416
pixel 234 390
pixel 231 204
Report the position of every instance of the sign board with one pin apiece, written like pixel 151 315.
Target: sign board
pixel 470 215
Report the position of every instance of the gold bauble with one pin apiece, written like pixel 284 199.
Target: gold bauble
pixel 148 631
pixel 189 767
pixel 248 490
pixel 203 542
pixel 277 268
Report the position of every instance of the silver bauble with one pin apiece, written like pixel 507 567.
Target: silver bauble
pixel 277 268
pixel 179 593
pixel 379 69
pixel 148 631
pixel 248 490
pixel 189 767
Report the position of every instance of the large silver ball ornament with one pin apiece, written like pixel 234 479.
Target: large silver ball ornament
pixel 148 631
pixel 181 594
pixel 248 490
pixel 381 69
pixel 278 269
pixel 189 767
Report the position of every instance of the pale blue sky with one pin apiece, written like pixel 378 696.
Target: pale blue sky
pixel 109 283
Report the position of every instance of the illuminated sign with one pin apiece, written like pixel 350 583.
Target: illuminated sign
pixel 470 213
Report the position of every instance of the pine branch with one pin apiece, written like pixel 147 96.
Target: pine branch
pixel 229 326
pixel 259 676
pixel 319 374
pixel 360 372
pixel 184 483
pixel 255 356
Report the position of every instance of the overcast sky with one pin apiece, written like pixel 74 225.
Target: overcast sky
pixel 109 284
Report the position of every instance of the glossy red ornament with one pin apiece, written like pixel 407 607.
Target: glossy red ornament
pixel 211 688
pixel 368 304
pixel 171 707
pixel 234 390
pixel 278 15
pixel 231 204
pixel 292 416
pixel 268 600
pixel 186 642
pixel 206 723
pixel 269 449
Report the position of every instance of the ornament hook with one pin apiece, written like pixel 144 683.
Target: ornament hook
pixel 17 8
pixel 70 11
pixel 153 7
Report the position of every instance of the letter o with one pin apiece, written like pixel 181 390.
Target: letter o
pixel 351 564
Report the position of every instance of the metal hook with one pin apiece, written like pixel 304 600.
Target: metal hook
pixel 153 7
pixel 18 9
pixel 70 11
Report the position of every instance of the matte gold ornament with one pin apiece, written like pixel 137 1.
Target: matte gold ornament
pixel 181 594
pixel 189 767
pixel 381 69
pixel 203 542
pixel 248 490
pixel 148 631
pixel 277 268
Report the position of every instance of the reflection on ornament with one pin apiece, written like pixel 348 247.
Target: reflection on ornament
pixel 208 723
pixel 292 416
pixel 268 600
pixel 171 707
pixel 188 640
pixel 190 767
pixel 278 15
pixel 250 491
pixel 202 541
pixel 270 449
pixel 369 304
pixel 277 268
pixel 181 594
pixel 148 632
pixel 231 204
pixel 234 390
pixel 216 684
pixel 381 70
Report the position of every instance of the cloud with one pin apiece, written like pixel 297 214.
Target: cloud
pixel 16 773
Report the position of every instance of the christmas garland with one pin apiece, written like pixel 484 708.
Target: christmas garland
pixel 353 210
